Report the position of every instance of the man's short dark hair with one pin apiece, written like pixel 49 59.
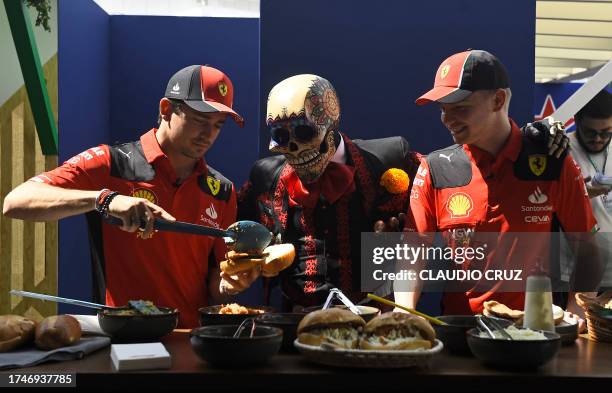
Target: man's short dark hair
pixel 600 107
pixel 177 107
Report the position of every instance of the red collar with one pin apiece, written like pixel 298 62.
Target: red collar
pixel 336 181
pixel 510 151
pixel 155 155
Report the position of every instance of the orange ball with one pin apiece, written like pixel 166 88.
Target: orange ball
pixel 395 180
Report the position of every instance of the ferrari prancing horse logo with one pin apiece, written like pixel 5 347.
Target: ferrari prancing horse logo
pixel 537 163
pixel 444 71
pixel 223 89
pixel 213 184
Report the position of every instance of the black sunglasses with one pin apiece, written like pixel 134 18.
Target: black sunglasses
pixel 591 133
pixel 301 133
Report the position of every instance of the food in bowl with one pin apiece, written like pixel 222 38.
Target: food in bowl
pixel 237 309
pixel 334 327
pixel 519 354
pixel 132 326
pixel 516 334
pixel 137 307
pixel 453 334
pixel 397 331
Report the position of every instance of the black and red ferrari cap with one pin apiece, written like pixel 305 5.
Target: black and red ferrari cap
pixel 204 89
pixel 463 73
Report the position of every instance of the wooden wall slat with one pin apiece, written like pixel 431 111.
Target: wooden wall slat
pixel 17 268
pixel 29 165
pixel 5 223
pixel 39 227
pixel 28 251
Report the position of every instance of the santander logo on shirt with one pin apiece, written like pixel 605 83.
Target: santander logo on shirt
pixel 211 212
pixel 538 197
pixel 540 213
pixel 210 216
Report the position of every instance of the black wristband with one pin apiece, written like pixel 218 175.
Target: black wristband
pixel 107 201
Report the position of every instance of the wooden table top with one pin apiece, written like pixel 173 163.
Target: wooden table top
pixel 584 364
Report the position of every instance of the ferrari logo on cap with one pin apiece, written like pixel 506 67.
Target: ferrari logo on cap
pixel 459 205
pixel 444 71
pixel 537 163
pixel 213 184
pixel 223 89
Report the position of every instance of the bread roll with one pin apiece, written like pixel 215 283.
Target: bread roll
pixel 558 314
pixel 409 332
pixel 15 331
pixel 399 346
pixel 280 257
pixel 57 331
pixel 334 327
pixel 233 266
pixel 494 308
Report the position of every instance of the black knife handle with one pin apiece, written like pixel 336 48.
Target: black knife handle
pixel 177 226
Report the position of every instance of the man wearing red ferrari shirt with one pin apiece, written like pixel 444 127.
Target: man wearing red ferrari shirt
pixel 164 175
pixel 493 181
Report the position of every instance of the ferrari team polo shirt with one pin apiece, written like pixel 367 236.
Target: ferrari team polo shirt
pixel 169 269
pixel 496 201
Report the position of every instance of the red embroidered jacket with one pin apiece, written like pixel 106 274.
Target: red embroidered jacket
pixel 327 237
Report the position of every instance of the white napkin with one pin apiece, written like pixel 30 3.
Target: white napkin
pixel 89 325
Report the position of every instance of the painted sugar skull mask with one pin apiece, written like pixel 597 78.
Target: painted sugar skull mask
pixel 303 112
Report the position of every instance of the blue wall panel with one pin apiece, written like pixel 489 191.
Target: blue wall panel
pixel 113 71
pixel 83 66
pixel 381 57
pixel 146 51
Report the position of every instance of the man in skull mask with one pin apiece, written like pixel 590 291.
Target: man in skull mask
pixel 324 190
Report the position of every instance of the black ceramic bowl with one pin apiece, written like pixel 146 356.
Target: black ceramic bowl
pixel 138 328
pixel 210 315
pixel 453 335
pixel 215 345
pixel 519 354
pixel 287 322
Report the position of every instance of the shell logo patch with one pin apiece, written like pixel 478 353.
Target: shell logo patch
pixel 444 71
pixel 537 163
pixel 213 184
pixel 146 194
pixel 223 89
pixel 459 205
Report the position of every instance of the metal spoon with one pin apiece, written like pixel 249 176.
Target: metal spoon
pixel 498 327
pixel 480 319
pixel 484 326
pixel 243 236
pixel 58 299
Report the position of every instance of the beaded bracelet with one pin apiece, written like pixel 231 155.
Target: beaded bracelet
pixel 106 203
pixel 100 198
